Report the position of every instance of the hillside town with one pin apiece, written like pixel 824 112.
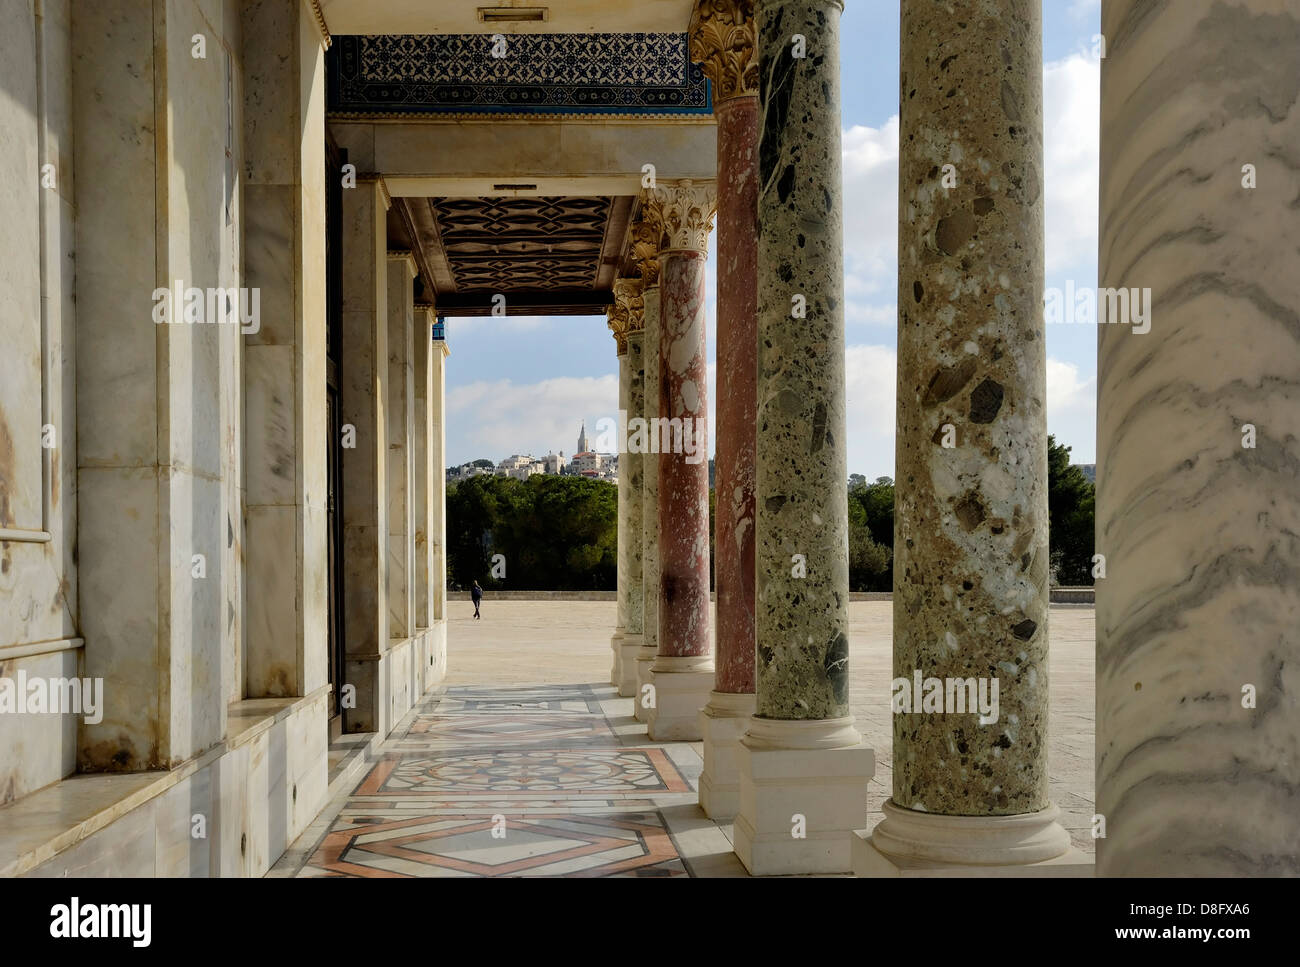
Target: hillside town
pixel 584 463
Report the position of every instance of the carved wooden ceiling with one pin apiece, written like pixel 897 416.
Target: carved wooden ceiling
pixel 547 256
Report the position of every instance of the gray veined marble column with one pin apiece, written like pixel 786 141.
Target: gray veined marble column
pixel 971 568
pixel 1198 441
pixel 627 293
pixel 801 754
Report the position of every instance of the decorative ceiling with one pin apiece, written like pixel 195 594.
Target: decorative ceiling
pixel 555 74
pixel 551 256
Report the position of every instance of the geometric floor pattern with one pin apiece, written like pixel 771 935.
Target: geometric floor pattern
pixel 515 781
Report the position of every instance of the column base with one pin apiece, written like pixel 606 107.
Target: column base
pixel 681 688
pixel 644 676
pixel 816 769
pixel 916 844
pixel 615 668
pixel 625 655
pixel 722 723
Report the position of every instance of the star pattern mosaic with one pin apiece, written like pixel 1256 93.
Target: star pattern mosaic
pixel 613 73
pixel 507 781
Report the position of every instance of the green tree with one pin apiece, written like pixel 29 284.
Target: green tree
pixel 1071 503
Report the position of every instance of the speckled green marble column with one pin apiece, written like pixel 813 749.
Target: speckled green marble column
pixel 970 518
pixel 970 545
pixel 801 480
pixel 800 755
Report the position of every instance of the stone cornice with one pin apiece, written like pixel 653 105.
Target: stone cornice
pixel 723 41
pixel 325 39
pixel 646 238
pixel 374 178
pixel 404 255
pixel 687 208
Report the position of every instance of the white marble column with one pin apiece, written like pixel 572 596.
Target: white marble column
pixel 438 488
pixel 156 412
pixel 803 766
pixel 400 410
pixel 363 389
pixel 1198 440
pixel 285 541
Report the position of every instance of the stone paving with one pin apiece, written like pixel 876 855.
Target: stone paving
pixel 525 762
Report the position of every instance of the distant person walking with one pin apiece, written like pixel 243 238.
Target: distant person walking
pixel 476 593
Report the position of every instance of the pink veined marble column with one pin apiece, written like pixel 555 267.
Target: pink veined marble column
pixel 737 388
pixel 683 478
pixel 683 671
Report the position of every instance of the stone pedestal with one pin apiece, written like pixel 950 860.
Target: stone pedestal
pixel 1198 440
pixel 907 843
pixel 682 686
pixel 722 724
pixel 803 787
pixel 644 676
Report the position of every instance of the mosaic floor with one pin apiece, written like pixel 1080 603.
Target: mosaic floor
pixel 498 780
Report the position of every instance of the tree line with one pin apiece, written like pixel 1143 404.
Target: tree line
pixel 560 533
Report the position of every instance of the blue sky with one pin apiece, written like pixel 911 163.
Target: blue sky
pixel 523 385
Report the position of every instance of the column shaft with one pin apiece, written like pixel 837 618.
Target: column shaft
pixel 737 368
pixel 1198 697
pixel 362 386
pixel 971 565
pixel 684 603
pixel 650 502
pixel 401 406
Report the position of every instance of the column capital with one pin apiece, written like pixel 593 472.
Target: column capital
pixel 687 208
pixel 723 41
pixel 626 315
pixel 646 239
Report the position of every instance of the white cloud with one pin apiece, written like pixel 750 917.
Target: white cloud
pixel 1071 125
pixel 1072 409
pixel 496 418
pixel 870 378
pixel 870 158
pixel 1084 9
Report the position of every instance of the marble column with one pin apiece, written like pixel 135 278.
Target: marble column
pixel 802 764
pixel 422 462
pixel 683 670
pixel 364 448
pixel 627 293
pixel 401 406
pixel 284 512
pixel 971 565
pixel 1198 511
pixel 647 237
pixel 618 327
pixel 438 487
pixel 723 42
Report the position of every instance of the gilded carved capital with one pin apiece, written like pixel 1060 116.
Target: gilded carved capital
pixel 687 208
pixel 627 314
pixel 628 297
pixel 647 241
pixel 723 36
